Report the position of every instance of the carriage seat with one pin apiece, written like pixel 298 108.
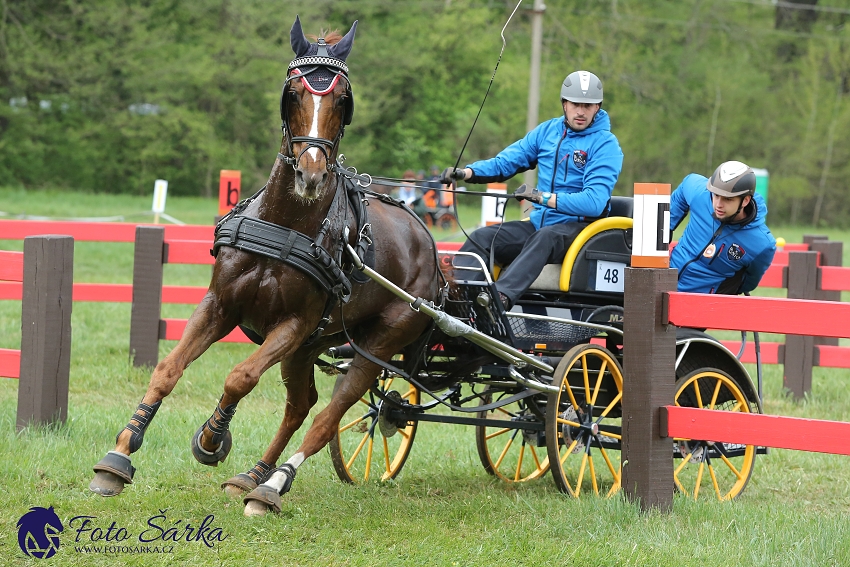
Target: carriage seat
pixel 607 239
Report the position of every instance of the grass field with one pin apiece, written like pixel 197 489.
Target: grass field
pixel 443 510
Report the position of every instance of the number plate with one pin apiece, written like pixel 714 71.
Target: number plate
pixel 610 276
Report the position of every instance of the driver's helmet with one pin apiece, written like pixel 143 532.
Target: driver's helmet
pixel 582 87
pixel 732 179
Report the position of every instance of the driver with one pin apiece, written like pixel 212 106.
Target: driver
pixel 726 247
pixel 578 162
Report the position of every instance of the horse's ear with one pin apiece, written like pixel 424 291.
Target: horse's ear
pixel 341 49
pixel 300 43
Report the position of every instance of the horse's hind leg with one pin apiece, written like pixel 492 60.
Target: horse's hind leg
pixel 297 374
pixel 204 328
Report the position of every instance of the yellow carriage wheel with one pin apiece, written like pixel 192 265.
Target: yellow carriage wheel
pixel 369 444
pixel 584 424
pixel 704 468
pixel 513 455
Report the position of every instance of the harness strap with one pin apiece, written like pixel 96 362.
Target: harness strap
pixel 286 245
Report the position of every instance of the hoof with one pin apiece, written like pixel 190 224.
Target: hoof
pixel 111 474
pixel 106 484
pixel 255 508
pixel 207 458
pixel 238 485
pixel 263 496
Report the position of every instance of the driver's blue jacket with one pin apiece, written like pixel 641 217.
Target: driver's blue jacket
pixel 580 167
pixel 711 258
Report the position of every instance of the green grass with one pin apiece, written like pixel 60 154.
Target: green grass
pixel 442 510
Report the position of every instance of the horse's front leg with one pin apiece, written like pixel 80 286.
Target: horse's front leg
pixel 382 339
pixel 204 327
pixel 212 442
pixel 297 374
pixel 361 374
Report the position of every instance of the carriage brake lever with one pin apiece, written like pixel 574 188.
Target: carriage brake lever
pixel 483 300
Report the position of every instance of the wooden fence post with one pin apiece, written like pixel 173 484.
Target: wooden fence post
pixel 799 350
pixel 147 295
pixel 649 353
pixel 831 253
pixel 45 330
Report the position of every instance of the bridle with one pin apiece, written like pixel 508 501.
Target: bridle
pixel 304 68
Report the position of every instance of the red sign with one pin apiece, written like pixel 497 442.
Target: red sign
pixel 229 187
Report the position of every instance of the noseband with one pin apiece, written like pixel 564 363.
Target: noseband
pixel 313 70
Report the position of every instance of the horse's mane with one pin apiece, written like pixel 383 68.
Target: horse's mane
pixel 331 37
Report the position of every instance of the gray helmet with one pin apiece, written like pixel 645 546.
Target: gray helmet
pixel 582 86
pixel 732 179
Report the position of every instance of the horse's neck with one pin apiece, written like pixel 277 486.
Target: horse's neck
pixel 280 205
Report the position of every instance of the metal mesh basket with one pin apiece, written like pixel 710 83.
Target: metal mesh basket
pixel 538 331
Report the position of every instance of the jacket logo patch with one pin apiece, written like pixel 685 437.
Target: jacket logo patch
pixel 580 158
pixel 735 252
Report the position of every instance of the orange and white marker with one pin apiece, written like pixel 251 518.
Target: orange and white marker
pixel 651 236
pixel 493 208
pixel 229 187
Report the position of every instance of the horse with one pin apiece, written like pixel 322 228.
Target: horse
pixel 281 271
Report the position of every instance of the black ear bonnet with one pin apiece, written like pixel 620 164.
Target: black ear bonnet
pixel 318 66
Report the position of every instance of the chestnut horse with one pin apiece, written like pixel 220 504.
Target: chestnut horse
pixel 289 298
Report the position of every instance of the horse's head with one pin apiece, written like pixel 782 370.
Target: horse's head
pixel 315 107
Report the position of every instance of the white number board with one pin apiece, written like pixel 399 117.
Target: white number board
pixel 610 276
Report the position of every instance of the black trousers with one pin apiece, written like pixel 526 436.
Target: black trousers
pixel 525 249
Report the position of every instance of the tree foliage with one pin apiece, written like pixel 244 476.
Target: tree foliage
pixel 108 95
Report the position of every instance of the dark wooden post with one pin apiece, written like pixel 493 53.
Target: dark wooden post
pixel 831 254
pixel 799 350
pixel 649 362
pixel 45 330
pixel 147 295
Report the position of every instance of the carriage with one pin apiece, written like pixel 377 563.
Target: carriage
pixel 562 414
pixel 316 260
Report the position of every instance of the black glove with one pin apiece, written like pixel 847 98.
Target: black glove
pixel 451 173
pixel 524 193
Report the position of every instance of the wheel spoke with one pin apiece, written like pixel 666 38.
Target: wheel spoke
pixel 715 483
pixel 699 479
pixel 610 406
pixel 731 466
pixel 593 475
pixel 610 434
pixel 599 377
pixel 608 462
pixel 535 457
pixel 581 473
pixel 569 450
pixel 497 433
pixel 411 393
pixel 355 422
pixel 685 460
pixel 716 393
pixel 698 394
pixel 568 422
pixel 518 471
pixel 566 386
pixel 388 466
pixel 505 450
pixel 359 448
pixel 585 376
pixel 369 457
